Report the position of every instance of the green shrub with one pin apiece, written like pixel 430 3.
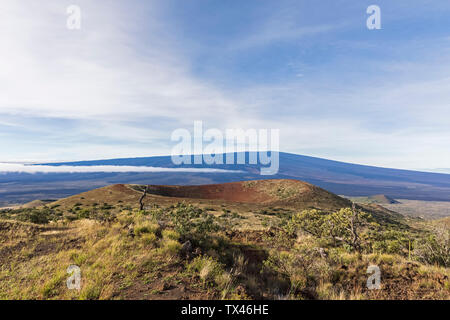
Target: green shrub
pixel 146 227
pixel 435 248
pixel 34 215
pixel 149 238
pixel 344 227
pixel 91 292
pixel 171 247
pixel 170 234
pixel 193 223
pixel 302 265
pixel 50 288
pixel 207 268
pixel 84 214
pixel 79 258
pixel 391 241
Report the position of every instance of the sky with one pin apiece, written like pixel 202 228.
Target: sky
pixel 138 70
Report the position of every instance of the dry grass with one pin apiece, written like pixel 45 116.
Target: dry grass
pixel 109 258
pixel 134 256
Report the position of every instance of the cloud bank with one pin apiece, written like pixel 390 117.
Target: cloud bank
pixel 23 168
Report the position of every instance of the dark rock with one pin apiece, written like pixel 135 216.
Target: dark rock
pixel 197 251
pixel 131 230
pixel 165 286
pixel 162 224
pixel 186 248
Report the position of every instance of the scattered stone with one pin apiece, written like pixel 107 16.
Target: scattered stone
pixel 131 230
pixel 240 290
pixel 162 224
pixel 164 286
pixel 197 251
pixel 271 231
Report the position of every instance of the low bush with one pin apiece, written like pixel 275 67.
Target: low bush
pixel 208 269
pixel 435 248
pixel 145 227
pixel 171 247
pixel 170 234
pixel 193 223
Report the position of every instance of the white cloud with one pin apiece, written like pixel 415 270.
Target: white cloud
pixel 100 72
pixel 122 75
pixel 22 168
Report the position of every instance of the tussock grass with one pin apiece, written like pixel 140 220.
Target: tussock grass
pixel 138 252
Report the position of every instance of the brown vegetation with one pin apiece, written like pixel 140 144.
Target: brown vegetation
pixel 274 239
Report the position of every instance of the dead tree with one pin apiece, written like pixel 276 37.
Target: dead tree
pixel 354 224
pixel 141 200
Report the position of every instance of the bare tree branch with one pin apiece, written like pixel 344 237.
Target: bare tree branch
pixel 141 200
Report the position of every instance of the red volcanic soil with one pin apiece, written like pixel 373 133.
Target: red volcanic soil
pixel 257 191
pixel 234 191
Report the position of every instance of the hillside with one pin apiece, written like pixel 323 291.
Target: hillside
pixel 253 200
pixel 36 203
pixel 245 198
pixel 334 176
pixel 383 199
pixel 378 199
pixel 246 240
pixel 266 192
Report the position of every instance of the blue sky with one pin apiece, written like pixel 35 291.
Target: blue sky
pixel 136 71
